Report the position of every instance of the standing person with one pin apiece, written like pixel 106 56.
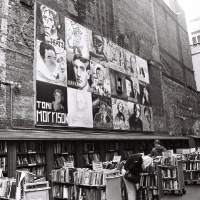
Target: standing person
pixel 134 165
pixel 158 149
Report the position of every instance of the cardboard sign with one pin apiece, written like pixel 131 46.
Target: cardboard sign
pixel 117 159
pixel 69 164
pixel 96 165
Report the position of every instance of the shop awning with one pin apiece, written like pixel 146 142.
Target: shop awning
pixel 22 134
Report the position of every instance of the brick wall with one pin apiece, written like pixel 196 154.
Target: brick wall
pixel 147 28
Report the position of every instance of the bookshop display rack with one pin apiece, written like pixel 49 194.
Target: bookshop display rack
pixel 173 178
pixel 151 185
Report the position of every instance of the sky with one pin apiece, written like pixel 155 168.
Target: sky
pixel 191 8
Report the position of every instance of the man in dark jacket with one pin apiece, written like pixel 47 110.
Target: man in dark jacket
pixel 158 149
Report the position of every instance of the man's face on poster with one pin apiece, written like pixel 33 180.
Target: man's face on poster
pixel 50 59
pixel 137 111
pixel 48 22
pixel 81 73
pixel 98 43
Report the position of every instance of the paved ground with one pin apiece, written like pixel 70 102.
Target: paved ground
pixel 192 193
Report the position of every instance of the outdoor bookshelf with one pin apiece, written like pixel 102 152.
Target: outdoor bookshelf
pixel 150 186
pixel 31 155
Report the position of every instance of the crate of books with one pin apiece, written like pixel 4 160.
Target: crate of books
pixel 191 166
pixel 172 173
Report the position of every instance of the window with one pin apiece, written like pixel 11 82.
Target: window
pixel 196 39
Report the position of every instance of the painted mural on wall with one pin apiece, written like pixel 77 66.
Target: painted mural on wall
pixel 85 80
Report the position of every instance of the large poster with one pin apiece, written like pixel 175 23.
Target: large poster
pixel 85 80
pixel 102 112
pixel 51 105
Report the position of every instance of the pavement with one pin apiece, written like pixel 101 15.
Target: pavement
pixel 192 193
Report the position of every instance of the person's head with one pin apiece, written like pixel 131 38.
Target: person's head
pixel 98 43
pixel 50 22
pixel 81 70
pixel 48 55
pixel 157 142
pixel 137 110
pixel 128 87
pixel 58 95
pixel 147 114
pixel 100 76
pixel 120 107
pixel 80 102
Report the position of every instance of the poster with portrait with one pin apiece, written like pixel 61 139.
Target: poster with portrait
pixel 77 38
pixel 51 67
pixel 79 108
pixel 143 73
pixel 130 61
pixel 102 112
pixel 135 118
pixel 50 27
pixel 100 79
pixel 120 114
pixel 132 89
pixel 145 94
pixel 78 72
pixel 116 57
pixel 51 104
pixel 98 48
pixel 147 118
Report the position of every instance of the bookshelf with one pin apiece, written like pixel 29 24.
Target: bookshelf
pixel 64 151
pixel 150 186
pixel 173 178
pixel 111 150
pixel 31 155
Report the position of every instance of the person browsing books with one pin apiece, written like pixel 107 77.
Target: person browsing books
pixel 134 165
pixel 158 149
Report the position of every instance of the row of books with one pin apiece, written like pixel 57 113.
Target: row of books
pixel 63 191
pixel 87 159
pixel 60 160
pixel 191 175
pixel 3 163
pixel 64 147
pixel 38 171
pixel 65 175
pixel 112 146
pixel 30 146
pixel 88 194
pixel 25 159
pixel 109 156
pixel 169 173
pixel 7 187
pixel 3 147
pixel 148 180
pixel 145 194
pixel 170 184
pixel 169 160
pixel 191 166
pixel 89 147
pixel 191 157
pixel 86 176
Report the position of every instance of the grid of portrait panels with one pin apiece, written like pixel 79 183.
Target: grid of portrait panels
pixel 85 80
